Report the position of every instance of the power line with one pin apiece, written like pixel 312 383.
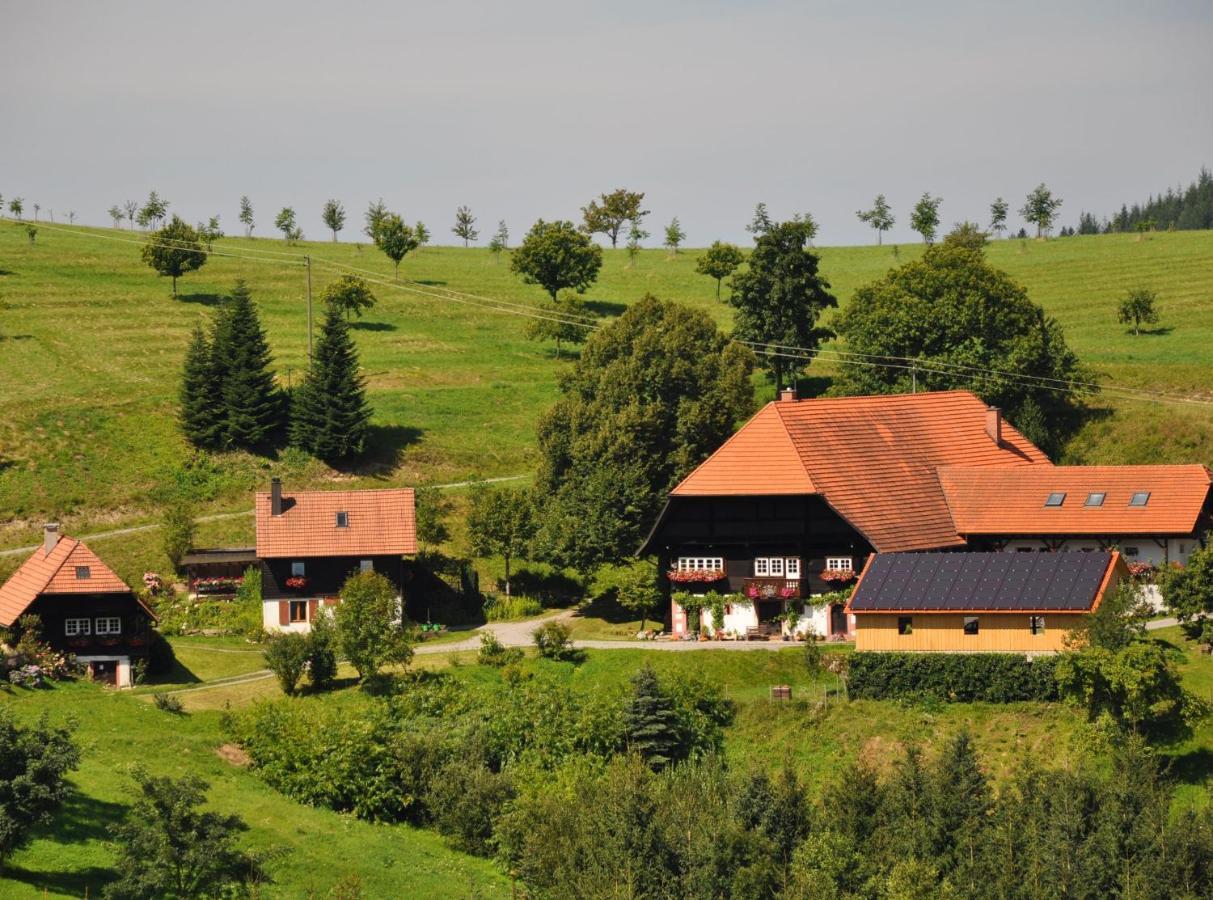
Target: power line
pixel 179 244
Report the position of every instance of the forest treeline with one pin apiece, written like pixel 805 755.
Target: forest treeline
pixel 1179 209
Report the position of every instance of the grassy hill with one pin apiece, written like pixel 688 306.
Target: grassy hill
pixel 91 345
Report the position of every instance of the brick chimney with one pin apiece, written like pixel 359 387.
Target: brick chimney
pixel 50 537
pixel 275 496
pixel 994 424
pixel 788 394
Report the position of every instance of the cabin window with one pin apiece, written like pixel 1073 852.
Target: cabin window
pixel 1036 624
pixel 905 625
pixel 77 627
pixel 1131 552
pixel 298 611
pixel 1095 499
pixel 83 573
pixel 109 625
pixel 700 564
pixel 1057 498
pixel 1140 498
pixel 366 565
pixel 792 567
pixel 298 569
pixel 840 564
pixel 777 566
pixel 343 520
pixel 970 625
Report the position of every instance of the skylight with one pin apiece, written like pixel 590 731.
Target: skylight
pixel 1095 499
pixel 1057 498
pixel 1140 498
pixel 83 573
pixel 343 520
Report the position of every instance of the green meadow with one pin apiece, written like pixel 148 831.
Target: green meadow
pixel 91 344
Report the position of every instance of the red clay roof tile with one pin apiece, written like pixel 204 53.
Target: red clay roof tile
pixel 381 523
pixel 56 573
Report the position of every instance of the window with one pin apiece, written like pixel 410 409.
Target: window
pixel 298 570
pixel 76 627
pixel 298 611
pixel 343 520
pixel 700 564
pixel 792 566
pixel 970 625
pixel 366 565
pixel 1140 498
pixel 839 564
pixel 905 625
pixel 1057 498
pixel 83 573
pixel 777 567
pixel 109 625
pixel 1094 499
pixel 762 566
pixel 1036 624
pixel 1131 552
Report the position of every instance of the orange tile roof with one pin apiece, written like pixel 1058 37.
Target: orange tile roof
pixel 55 574
pixel 872 458
pixel 1012 501
pixel 381 523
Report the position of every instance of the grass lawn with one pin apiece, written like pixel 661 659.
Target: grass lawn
pixel 92 346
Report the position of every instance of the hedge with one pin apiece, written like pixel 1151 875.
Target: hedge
pixel 952 677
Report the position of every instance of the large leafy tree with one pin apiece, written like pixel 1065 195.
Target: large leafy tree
pixel 611 212
pixel 652 395
pixel 174 250
pixel 253 404
pixel 168 846
pixel 556 256
pixel 1040 209
pixel 1137 306
pixel 925 217
pixel 371 631
pixel 394 238
pixel 1188 593
pixel 334 216
pixel 780 297
pixel 501 523
pixel 34 762
pixel 719 262
pixel 952 321
pixel 350 294
pixel 465 225
pixel 879 217
pixel 330 413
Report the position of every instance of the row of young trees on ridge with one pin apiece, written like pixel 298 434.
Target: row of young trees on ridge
pixel 230 398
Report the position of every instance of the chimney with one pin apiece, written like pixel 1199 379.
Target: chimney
pixel 994 424
pixel 275 496
pixel 788 394
pixel 50 537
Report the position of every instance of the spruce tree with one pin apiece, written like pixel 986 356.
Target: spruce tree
pixel 252 402
pixel 651 722
pixel 330 414
pixel 203 418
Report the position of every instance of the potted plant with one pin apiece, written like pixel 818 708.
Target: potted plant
pixel 297 583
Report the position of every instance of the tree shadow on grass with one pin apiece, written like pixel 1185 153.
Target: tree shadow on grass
pixel 431 282
pixel 606 307
pixel 16 337
pixel 1160 331
pixel 204 299
pixel 4 272
pixel 372 326
pixel 81 819
pixel 178 674
pixel 1193 767
pixel 385 446
pixel 608 609
pixel 550 589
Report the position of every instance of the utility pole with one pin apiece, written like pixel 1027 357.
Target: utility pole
pixel 308 259
pixel 913 378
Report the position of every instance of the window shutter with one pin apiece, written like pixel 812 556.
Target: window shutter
pixel 284 612
pixel 330 601
pixel 312 605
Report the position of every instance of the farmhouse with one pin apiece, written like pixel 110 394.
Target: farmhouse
pixel 85 608
pixel 975 602
pixel 792 505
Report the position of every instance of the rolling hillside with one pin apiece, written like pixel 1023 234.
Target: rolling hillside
pixel 91 344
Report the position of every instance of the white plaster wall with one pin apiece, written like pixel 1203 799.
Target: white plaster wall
pixel 269 619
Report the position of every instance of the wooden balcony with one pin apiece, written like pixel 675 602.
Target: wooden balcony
pixel 772 588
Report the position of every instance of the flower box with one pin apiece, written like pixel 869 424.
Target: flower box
pixel 695 576
pixel 838 576
pixel 296 583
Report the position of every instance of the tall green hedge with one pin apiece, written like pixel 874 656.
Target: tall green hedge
pixel 952 677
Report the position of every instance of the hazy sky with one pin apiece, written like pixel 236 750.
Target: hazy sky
pixel 528 109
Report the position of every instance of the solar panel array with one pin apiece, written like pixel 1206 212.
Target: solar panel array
pixel 985 581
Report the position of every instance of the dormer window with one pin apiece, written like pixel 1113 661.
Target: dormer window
pixel 1139 498
pixel 83 573
pixel 343 520
pixel 1057 498
pixel 1095 499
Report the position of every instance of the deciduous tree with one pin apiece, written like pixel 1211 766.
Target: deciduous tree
pixel 246 215
pixel 131 208
pixel 636 234
pixel 285 222
pixel 34 762
pixel 350 294
pixel 370 627
pixel 780 298
pixel 174 250
pixel 556 256
pixel 500 241
pixel 465 225
pixel 16 206
pixel 1188 593
pixel 334 217
pixel 879 217
pixel 117 215
pixel 330 415
pixel 565 321
pixel 421 233
pixel 998 216
pixel 210 232
pixel 1040 209
pixel 674 236
pixel 501 523
pixel 153 211
pixel 395 239
pixel 374 217
pixel 1137 306
pixel 179 529
pixel 636 590
pixel 615 210
pixel 761 223
pixel 719 262
pixel 286 655
pixel 925 218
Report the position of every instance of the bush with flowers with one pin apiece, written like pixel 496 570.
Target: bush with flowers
pixel 153 584
pixel 838 576
pixel 30 661
pixel 1143 571
pixel 296 582
pixel 695 576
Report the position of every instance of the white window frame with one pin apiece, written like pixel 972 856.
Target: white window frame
pixel 298 568
pixel 762 566
pixel 366 565
pixel 700 564
pixel 840 564
pixel 776 563
pixel 108 625
pixel 77 627
pixel 791 568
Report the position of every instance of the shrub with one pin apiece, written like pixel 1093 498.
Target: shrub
pixel 286 656
pixel 169 703
pixel 465 801
pixel 953 677
pixel 34 762
pixel 322 653
pixel 501 609
pixel 494 653
pixel 553 641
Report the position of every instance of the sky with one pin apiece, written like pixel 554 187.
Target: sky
pixel 529 109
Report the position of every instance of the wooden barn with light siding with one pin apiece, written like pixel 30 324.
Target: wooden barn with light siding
pixel 979 602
